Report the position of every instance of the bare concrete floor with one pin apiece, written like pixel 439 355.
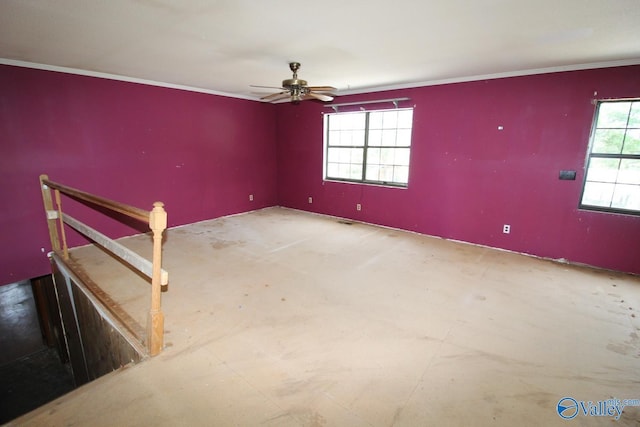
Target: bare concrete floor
pixel 283 318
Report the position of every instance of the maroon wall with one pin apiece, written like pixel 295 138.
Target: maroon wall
pixel 468 178
pixel 202 155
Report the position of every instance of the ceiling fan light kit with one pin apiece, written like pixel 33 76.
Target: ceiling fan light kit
pixel 298 90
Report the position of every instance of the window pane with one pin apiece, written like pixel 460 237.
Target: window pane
pixel 334 137
pixel 629 172
pixel 344 155
pixel 347 121
pixel 375 120
pixel 388 164
pixel 353 121
pixel 332 170
pixel 356 171
pixel 603 170
pixel 608 141
pixel 345 163
pixel 634 118
pixel 333 155
pixel 402 157
pixel 344 170
pixel 598 194
pixel 403 137
pixel 334 122
pixel 375 137
pixel 351 155
pixel 386 156
pixel 613 114
pixel 372 172
pixel 350 138
pixel 405 119
pixel 401 174
pixel 356 155
pixel 346 138
pixel 626 197
pixel 386 174
pixel 632 142
pixel 389 137
pixel 373 155
pixel 390 119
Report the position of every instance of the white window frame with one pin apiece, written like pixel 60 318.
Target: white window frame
pixel 369 141
pixel 612 174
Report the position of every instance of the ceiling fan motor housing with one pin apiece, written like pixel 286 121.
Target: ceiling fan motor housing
pixel 293 83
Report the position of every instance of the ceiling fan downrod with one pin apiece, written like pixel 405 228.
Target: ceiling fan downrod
pixel 294 82
pixel 294 67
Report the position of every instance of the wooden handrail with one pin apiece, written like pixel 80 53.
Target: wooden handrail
pixel 130 211
pixel 136 261
pixel 157 221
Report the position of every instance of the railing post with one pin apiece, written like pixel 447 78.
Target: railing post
pixel 65 249
pixel 155 320
pixel 50 213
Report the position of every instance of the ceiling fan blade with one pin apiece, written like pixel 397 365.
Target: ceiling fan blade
pixel 319 96
pixel 267 87
pixel 297 90
pixel 322 89
pixel 276 96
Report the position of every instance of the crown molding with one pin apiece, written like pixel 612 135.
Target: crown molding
pixel 518 73
pixel 77 71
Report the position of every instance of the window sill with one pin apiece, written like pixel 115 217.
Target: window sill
pixel 368 183
pixel 604 210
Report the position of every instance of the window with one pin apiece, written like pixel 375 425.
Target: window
pixel 612 180
pixel 369 146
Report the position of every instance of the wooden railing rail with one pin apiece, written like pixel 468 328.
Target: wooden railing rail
pixel 130 211
pixel 157 220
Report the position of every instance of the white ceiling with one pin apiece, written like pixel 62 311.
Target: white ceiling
pixel 223 46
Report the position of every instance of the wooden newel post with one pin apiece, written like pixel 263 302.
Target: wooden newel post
pixel 155 321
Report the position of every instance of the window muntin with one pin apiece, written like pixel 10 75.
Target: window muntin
pixel 369 146
pixel 612 179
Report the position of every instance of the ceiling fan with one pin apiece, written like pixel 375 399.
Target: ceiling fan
pixel 297 89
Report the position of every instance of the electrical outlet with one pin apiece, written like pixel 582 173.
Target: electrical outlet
pixel 251 197
pixel 310 199
pixel 506 229
pixel 358 207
